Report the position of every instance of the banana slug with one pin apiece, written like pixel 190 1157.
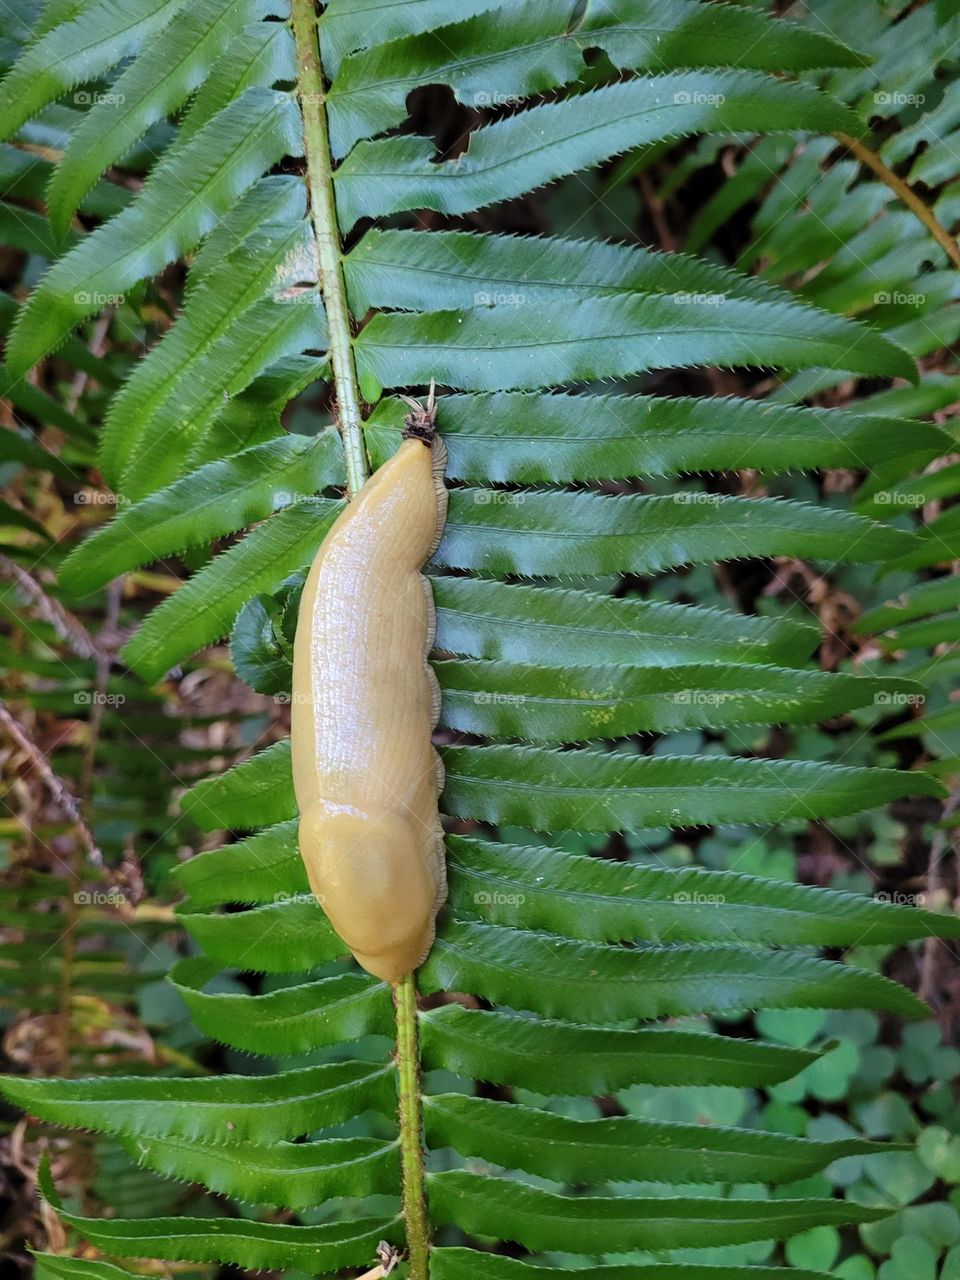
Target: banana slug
pixel 365 702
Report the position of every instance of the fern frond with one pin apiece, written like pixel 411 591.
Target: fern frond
pixel 289 138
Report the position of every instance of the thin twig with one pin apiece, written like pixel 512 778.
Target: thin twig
pixel 69 628
pixel 96 348
pixel 905 193
pixel 58 789
pixel 99 700
pixel 657 214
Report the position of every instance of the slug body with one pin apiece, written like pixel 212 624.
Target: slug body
pixel 365 702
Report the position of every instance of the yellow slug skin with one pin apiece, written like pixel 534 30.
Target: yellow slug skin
pixel 365 703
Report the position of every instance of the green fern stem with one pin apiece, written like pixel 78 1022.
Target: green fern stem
pixel 411 1125
pixel 323 213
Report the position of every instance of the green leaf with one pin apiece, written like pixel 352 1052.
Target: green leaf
pixel 594 791
pixel 76 51
pixel 224 1108
pixel 23 449
pixel 29 232
pixel 575 704
pixel 262 655
pixel 207 177
pixel 266 334
pixel 569 534
pixel 287 1174
pixel 502 347
pixel 558 978
pixel 537 146
pixel 585 790
pixel 574 1060
pixel 152 87
pixel 487 619
pixel 53 1266
pixel 256 1245
pixel 205 608
pixel 594 899
pixel 254 416
pixel 254 870
pixel 912 493
pixel 234 325
pixel 623 1148
pixel 933 722
pixel 536 49
pixel 272 206
pixel 258 791
pixel 922 634
pixel 552 626
pixel 346 25
pixel 523 438
pixel 212 501
pixel 49 412
pixel 287 936
pixel 940 542
pixel 470 1264
pixel 456 270
pixel 262 54
pixel 747 183
pixel 594 1225
pixel 290 1020
pixel 922 599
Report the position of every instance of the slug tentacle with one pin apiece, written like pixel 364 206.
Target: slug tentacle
pixel 420 424
pixel 365 704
